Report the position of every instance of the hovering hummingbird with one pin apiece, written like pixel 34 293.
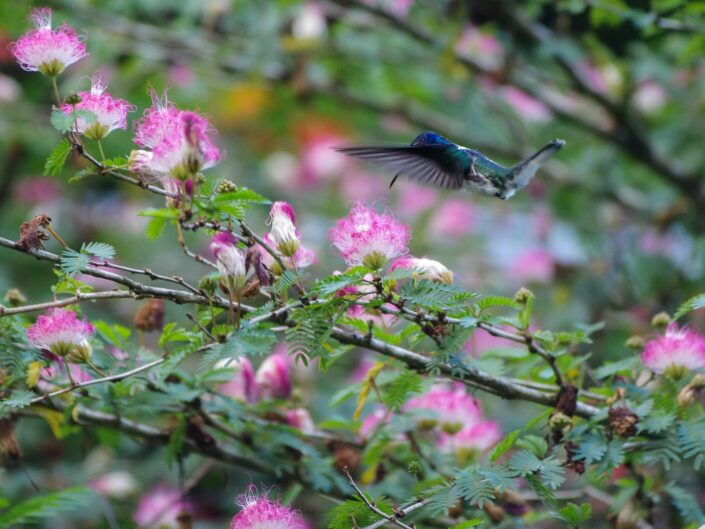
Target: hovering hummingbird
pixel 432 159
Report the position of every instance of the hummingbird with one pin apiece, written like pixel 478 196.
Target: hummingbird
pixel 433 159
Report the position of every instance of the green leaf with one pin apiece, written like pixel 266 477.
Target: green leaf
pixel 354 513
pixel 496 301
pixel 401 388
pixel 692 440
pixel 694 303
pixel 535 444
pixel 39 508
pixel 574 514
pixel 506 444
pixel 17 399
pixel 626 365
pixel 473 522
pixel 61 121
pixel 686 504
pixel 155 227
pixel 434 296
pixel 101 250
pixel 57 158
pixel 73 262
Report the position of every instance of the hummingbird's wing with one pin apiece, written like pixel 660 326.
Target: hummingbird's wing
pixel 428 164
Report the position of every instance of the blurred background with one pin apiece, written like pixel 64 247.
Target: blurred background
pixel 610 231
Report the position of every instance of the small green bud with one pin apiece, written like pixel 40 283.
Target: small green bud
pixel 51 68
pixel 661 320
pixel 208 284
pixel 560 422
pixel 226 186
pixel 451 427
pixel 72 99
pixel 415 468
pixel 635 342
pixel 374 260
pixel 14 297
pixel 523 295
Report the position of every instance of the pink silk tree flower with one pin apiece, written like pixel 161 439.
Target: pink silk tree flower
pixel 526 106
pixel 284 233
pixel 110 112
pixel 231 261
pixel 180 142
pixel 300 419
pixel 242 385
pixel 450 409
pixel 273 378
pixel 533 264
pixel 160 507
pixel 369 238
pixel 372 422
pixel 259 512
pixel 473 438
pixel 424 268
pixel 679 350
pixel 46 50
pixel 455 217
pixel 62 333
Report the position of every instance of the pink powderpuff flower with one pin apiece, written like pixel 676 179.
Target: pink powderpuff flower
pixel 455 217
pixel 319 162
pixel 473 438
pixel 45 50
pixel 424 268
pixel 451 409
pixel 160 507
pixel 242 385
pixel 481 342
pixel 179 141
pixel 369 238
pixel 230 259
pixel 483 47
pixel 62 333
pixel 676 352
pixel 357 186
pixel 300 419
pixel 110 112
pixel 273 379
pixel 535 265
pixel 37 190
pixel 259 512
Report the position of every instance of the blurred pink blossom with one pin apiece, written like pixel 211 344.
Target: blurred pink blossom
pixel 273 378
pixel 10 90
pixel 453 218
pixel 371 422
pixel 483 47
pixel 300 419
pixel 318 162
pixel 357 186
pixel 37 190
pixel 118 484
pixel 650 97
pixel 526 106
pixel 242 385
pixel 414 198
pixel 452 407
pixel 476 437
pixel 181 76
pixel 533 265
pixel 160 507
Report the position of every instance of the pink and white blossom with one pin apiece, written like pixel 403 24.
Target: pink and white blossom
pixel 273 378
pixel 46 50
pixel 370 238
pixel 284 234
pixel 534 264
pixel 110 112
pixel 424 268
pixel 231 260
pixel 300 419
pixel 259 512
pixel 118 484
pixel 372 422
pixel 160 507
pixel 678 350
pixel 477 437
pixel 242 385
pixel 451 409
pixel 455 217
pixel 61 332
pixel 179 142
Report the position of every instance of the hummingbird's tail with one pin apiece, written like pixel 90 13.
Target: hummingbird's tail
pixel 525 170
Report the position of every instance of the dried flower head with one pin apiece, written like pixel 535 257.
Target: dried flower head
pixel 46 50
pixel 110 112
pixel 677 351
pixel 150 317
pixel 259 512
pixel 370 238
pixel 62 333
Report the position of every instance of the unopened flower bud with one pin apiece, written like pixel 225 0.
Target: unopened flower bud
pixel 226 186
pixel 560 422
pixel 523 295
pixel 689 393
pixel 208 284
pixel 415 468
pixel 80 353
pixel 73 98
pixel 661 320
pixel 635 342
pixel 14 297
